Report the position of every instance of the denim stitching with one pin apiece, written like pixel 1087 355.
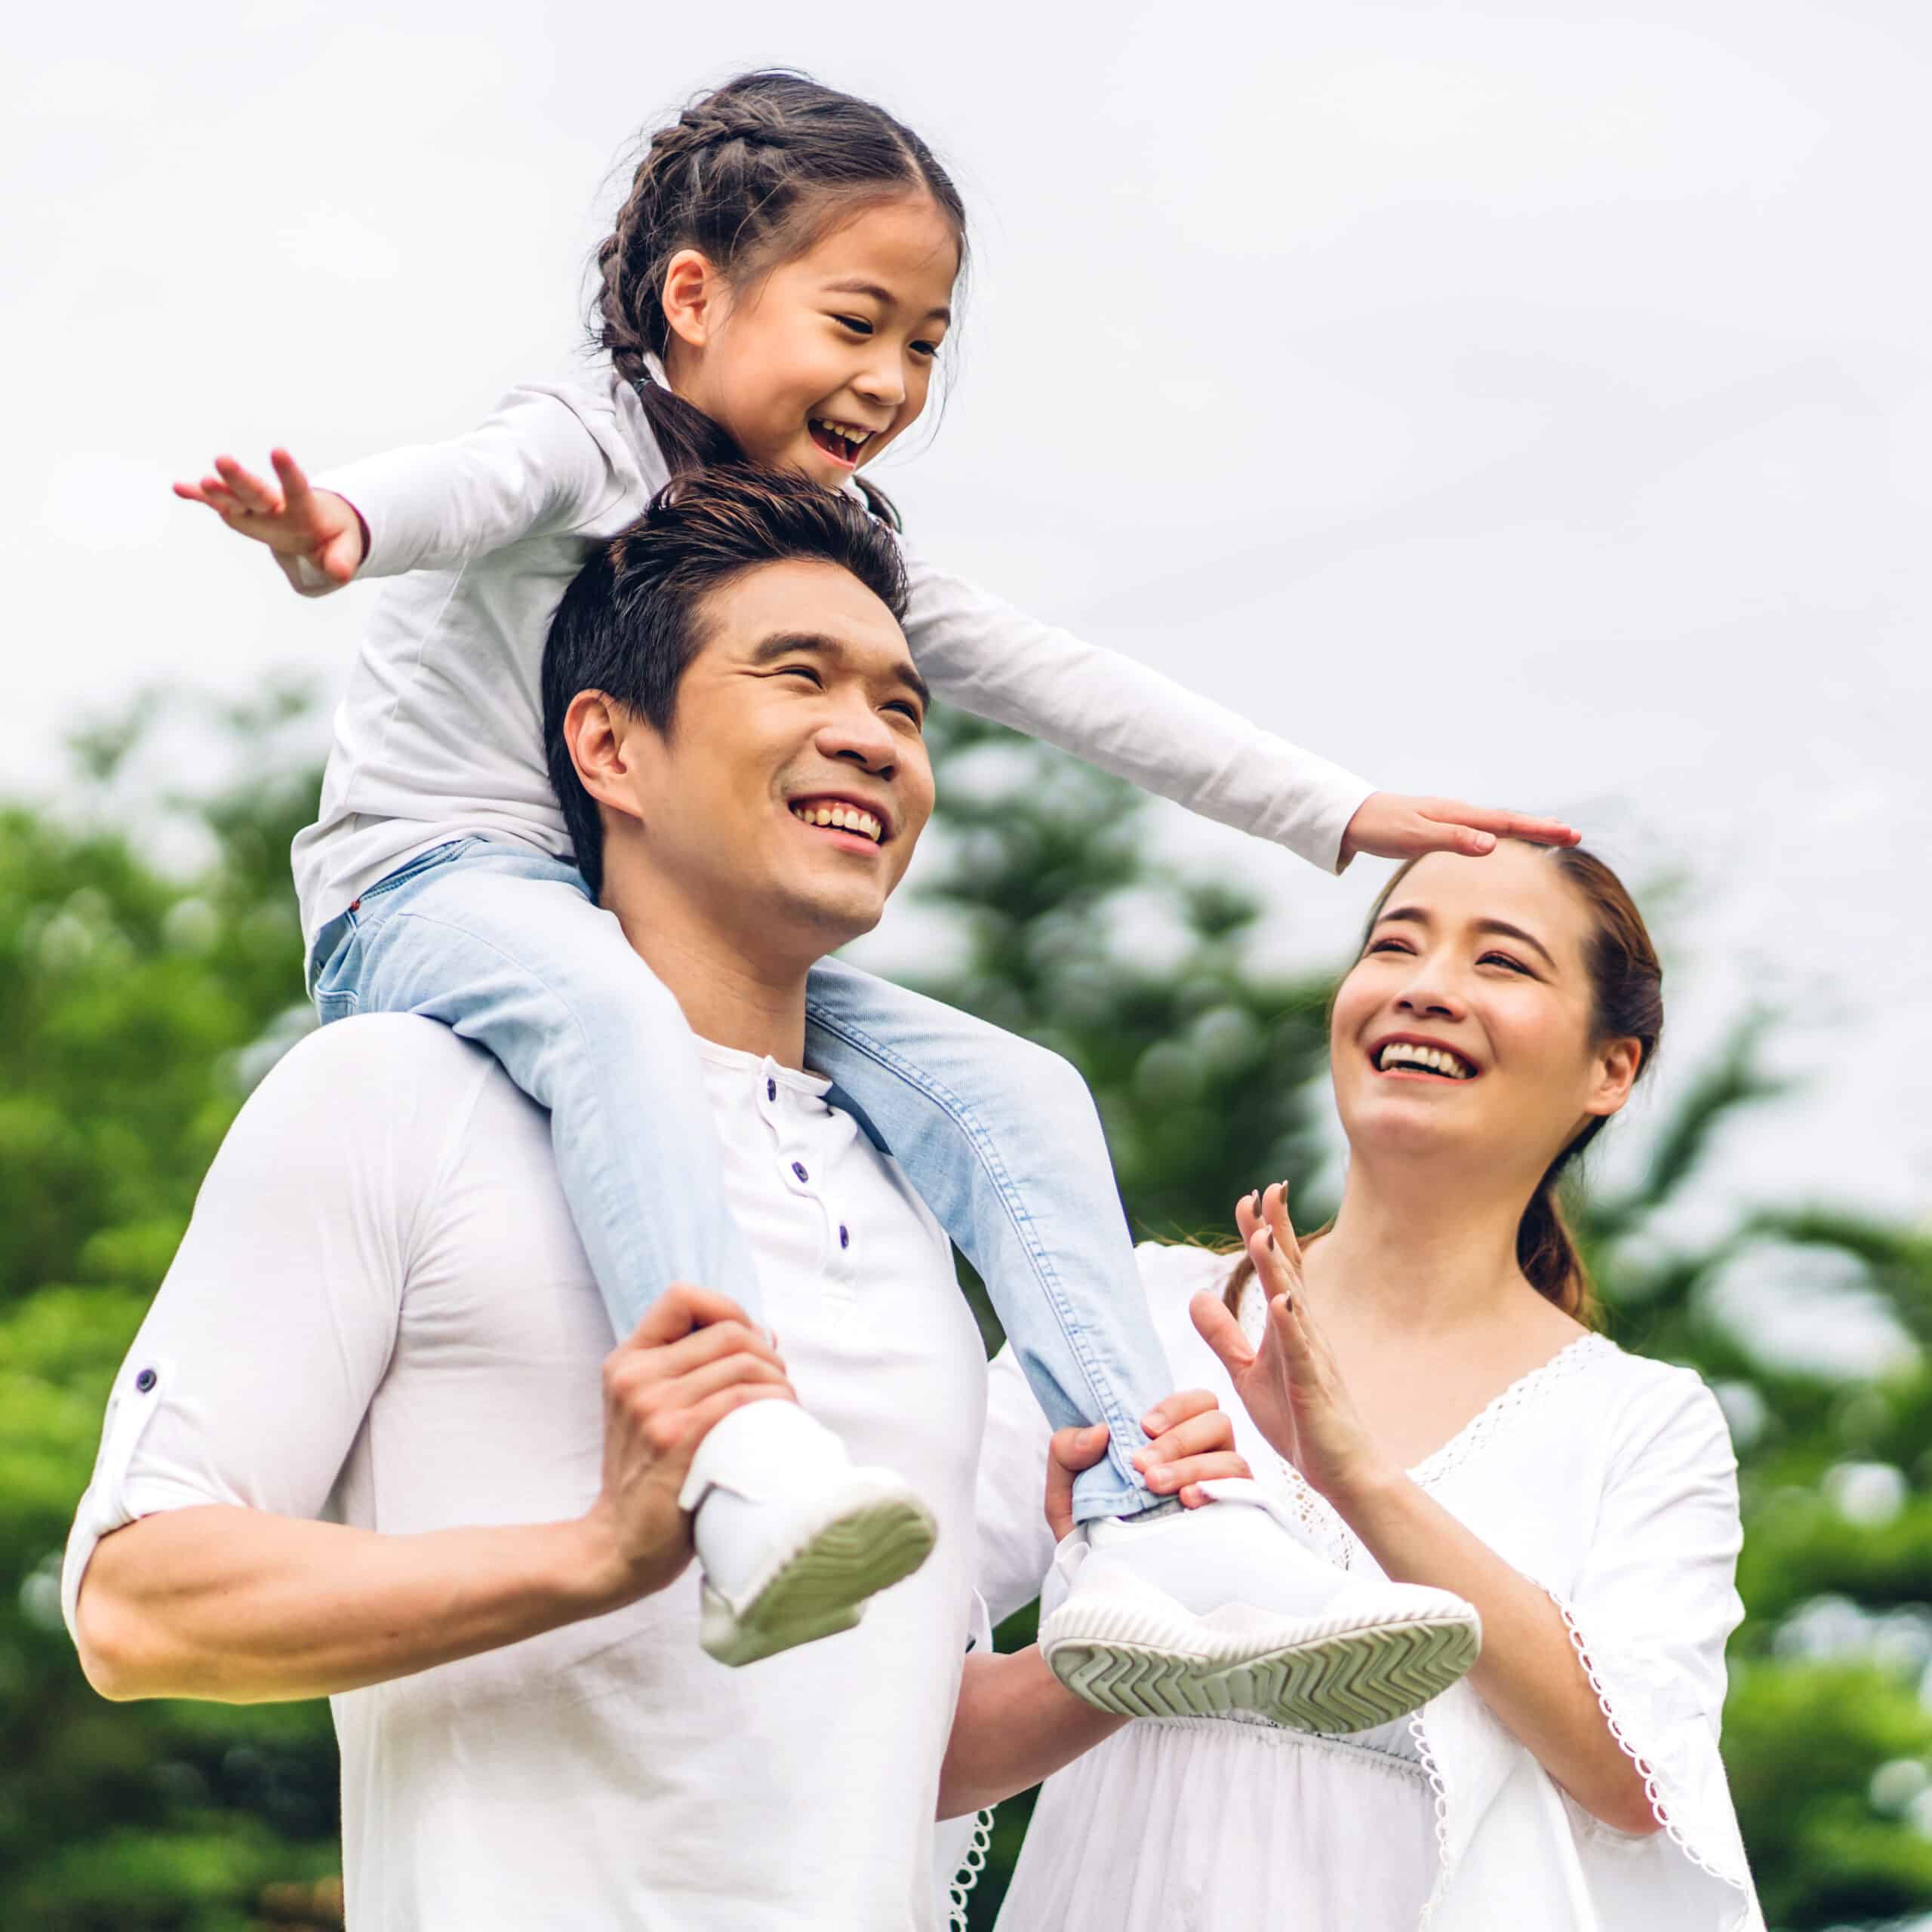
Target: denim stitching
pixel 956 1111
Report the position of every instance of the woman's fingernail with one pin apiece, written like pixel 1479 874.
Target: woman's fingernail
pixel 1159 1478
pixel 1154 1422
pixel 1271 1240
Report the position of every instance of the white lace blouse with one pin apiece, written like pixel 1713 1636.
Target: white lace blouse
pixel 1608 1479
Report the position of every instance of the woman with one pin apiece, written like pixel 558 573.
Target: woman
pixel 1421 1389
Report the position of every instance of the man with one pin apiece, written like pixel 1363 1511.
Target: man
pixel 381 1315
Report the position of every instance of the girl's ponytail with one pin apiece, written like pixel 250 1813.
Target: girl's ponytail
pixel 750 174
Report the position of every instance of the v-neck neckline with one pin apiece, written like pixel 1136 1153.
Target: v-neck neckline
pixel 1438 1462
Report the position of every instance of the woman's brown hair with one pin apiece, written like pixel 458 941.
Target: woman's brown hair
pixel 1627 981
pixel 751 174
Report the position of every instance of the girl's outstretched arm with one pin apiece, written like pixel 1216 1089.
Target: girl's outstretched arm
pixel 302 526
pixel 542 462
pixel 988 657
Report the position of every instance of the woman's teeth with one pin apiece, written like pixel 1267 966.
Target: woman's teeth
pixel 849 441
pixel 841 818
pixel 1429 1060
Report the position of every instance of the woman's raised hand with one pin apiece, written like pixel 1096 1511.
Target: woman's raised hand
pixel 1289 1385
pixel 1193 1442
pixel 300 524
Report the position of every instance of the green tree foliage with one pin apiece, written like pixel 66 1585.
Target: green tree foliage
pixel 137 1008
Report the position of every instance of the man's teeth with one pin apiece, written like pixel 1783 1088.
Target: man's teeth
pixel 857 438
pixel 843 818
pixel 1431 1060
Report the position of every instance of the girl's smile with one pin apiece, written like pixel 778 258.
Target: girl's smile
pixel 828 359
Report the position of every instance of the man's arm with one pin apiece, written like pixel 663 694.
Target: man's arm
pixel 1015 1722
pixel 241 1606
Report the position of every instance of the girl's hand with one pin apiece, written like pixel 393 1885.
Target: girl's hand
pixel 1391 827
pixel 302 526
pixel 1193 1443
pixel 1290 1386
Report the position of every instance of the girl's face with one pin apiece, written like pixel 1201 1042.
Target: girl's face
pixel 1467 1024
pixel 823 363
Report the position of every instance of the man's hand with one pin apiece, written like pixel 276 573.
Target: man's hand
pixel 1391 827
pixel 693 1358
pixel 1193 1443
pixel 302 526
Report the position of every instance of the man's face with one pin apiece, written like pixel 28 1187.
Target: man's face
pixel 785 804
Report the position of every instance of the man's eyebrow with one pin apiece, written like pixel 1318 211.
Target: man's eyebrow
pixel 1416 916
pixel 787 644
pixel 858 285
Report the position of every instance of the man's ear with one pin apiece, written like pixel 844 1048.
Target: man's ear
pixel 695 297
pixel 1616 1072
pixel 602 736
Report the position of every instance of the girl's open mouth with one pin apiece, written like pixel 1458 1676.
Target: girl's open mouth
pixel 843 442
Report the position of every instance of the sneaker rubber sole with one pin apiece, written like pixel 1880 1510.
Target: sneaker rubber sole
pixel 821 1589
pixel 1311 1674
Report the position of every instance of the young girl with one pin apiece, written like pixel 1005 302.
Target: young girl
pixel 777 286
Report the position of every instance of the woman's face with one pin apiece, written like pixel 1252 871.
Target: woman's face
pixel 1465 1026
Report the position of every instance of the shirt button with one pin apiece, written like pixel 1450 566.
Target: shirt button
pixel 771 1090
pixel 845 1235
pixel 146 1380
pixel 799 1168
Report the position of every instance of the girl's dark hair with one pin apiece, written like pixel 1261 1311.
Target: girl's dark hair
pixel 633 618
pixel 751 174
pixel 1627 983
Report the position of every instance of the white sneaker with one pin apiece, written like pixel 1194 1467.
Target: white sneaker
pixel 1222 1610
pixel 792 1536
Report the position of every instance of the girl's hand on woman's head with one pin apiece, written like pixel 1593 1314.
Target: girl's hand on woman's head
pixel 1391 827
pixel 1193 1442
pixel 301 525
pixel 1291 1385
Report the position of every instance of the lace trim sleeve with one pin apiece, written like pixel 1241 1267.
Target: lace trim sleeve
pixel 1674 1804
pixel 970 1866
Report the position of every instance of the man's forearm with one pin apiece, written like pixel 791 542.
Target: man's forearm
pixel 1015 1724
pixel 240 1607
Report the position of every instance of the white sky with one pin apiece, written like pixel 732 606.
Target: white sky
pixel 1532 402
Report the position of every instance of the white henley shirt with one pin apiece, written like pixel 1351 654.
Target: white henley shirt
pixel 381 1315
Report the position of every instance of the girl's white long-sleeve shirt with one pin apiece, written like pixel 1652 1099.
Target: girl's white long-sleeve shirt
pixel 440 736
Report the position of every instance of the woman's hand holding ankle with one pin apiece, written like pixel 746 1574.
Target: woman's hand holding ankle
pixel 1192 1441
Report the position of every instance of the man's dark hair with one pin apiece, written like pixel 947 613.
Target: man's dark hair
pixel 631 622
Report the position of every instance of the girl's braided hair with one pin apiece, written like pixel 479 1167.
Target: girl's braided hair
pixel 750 174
